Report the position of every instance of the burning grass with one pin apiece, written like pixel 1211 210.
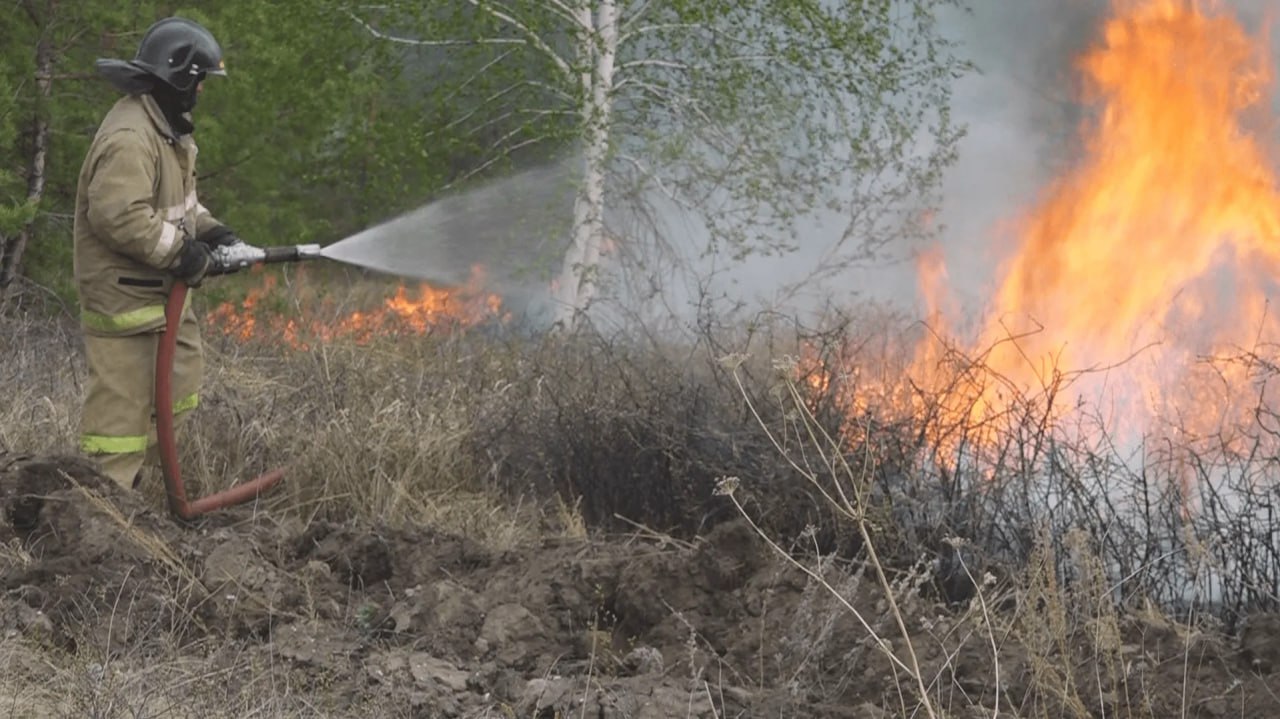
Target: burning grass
pixel 315 316
pixel 1178 517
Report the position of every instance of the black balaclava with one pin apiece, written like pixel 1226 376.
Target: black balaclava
pixel 177 105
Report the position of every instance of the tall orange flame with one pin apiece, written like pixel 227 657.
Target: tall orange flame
pixel 1160 245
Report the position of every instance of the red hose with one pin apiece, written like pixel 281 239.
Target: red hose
pixel 179 505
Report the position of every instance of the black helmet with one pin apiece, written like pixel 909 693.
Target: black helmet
pixel 179 52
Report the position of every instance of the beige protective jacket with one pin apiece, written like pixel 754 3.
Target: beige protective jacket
pixel 135 202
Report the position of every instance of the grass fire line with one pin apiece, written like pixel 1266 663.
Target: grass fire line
pixel 470 252
pixel 408 311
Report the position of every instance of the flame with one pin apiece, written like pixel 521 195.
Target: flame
pixel 1135 298
pixel 1158 247
pixel 408 312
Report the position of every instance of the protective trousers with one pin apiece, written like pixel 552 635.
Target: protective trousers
pixel 118 418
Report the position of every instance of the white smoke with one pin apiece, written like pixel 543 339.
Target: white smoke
pixel 1023 119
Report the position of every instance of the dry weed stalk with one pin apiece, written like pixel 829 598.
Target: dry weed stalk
pixel 154 546
pixel 988 625
pixel 849 497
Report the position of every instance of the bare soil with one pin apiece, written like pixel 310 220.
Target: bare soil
pixel 376 621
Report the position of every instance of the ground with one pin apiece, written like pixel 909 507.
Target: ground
pixel 112 608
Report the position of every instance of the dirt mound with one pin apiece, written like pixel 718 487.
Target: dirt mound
pixel 373 620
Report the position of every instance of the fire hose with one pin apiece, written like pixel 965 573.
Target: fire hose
pixel 226 260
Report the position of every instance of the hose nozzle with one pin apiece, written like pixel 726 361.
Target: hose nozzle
pixel 310 252
pixel 240 255
pixel 235 257
pixel 291 253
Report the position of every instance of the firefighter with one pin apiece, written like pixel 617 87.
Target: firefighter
pixel 139 226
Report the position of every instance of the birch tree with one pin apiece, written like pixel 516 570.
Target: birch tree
pixel 24 114
pixel 747 114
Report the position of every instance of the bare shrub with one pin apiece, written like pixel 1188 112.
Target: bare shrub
pixel 620 429
pixel 1098 567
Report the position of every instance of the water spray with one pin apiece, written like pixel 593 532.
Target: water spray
pixel 227 259
pixel 496 225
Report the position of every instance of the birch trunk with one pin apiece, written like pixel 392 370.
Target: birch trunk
pixel 13 247
pixel 577 281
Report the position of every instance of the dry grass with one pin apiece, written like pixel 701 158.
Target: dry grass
pixel 366 432
pixel 41 379
pixel 226 680
pixel 479 432
pixel 943 577
pixel 1059 633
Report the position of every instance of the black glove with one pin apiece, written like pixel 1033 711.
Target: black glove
pixel 217 236
pixel 193 263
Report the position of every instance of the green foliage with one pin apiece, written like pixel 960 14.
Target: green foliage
pixel 314 133
pixel 14 209
pixel 299 143
pixel 748 114
pixel 334 116
pixel 75 34
pixel 488 102
pixel 771 109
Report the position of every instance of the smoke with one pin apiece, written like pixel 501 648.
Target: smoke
pixel 1020 116
pixel 1023 116
pixel 496 235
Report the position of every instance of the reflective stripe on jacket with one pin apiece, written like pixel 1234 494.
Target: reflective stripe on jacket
pixel 128 444
pixel 135 202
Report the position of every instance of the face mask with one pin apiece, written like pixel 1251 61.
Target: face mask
pixel 175 104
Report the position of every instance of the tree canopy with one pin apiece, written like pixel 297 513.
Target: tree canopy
pixel 742 115
pixel 337 115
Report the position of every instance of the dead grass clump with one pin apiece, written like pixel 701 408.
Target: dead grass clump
pixel 373 431
pixel 617 429
pixel 223 679
pixel 476 431
pixel 483 430
pixel 40 379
